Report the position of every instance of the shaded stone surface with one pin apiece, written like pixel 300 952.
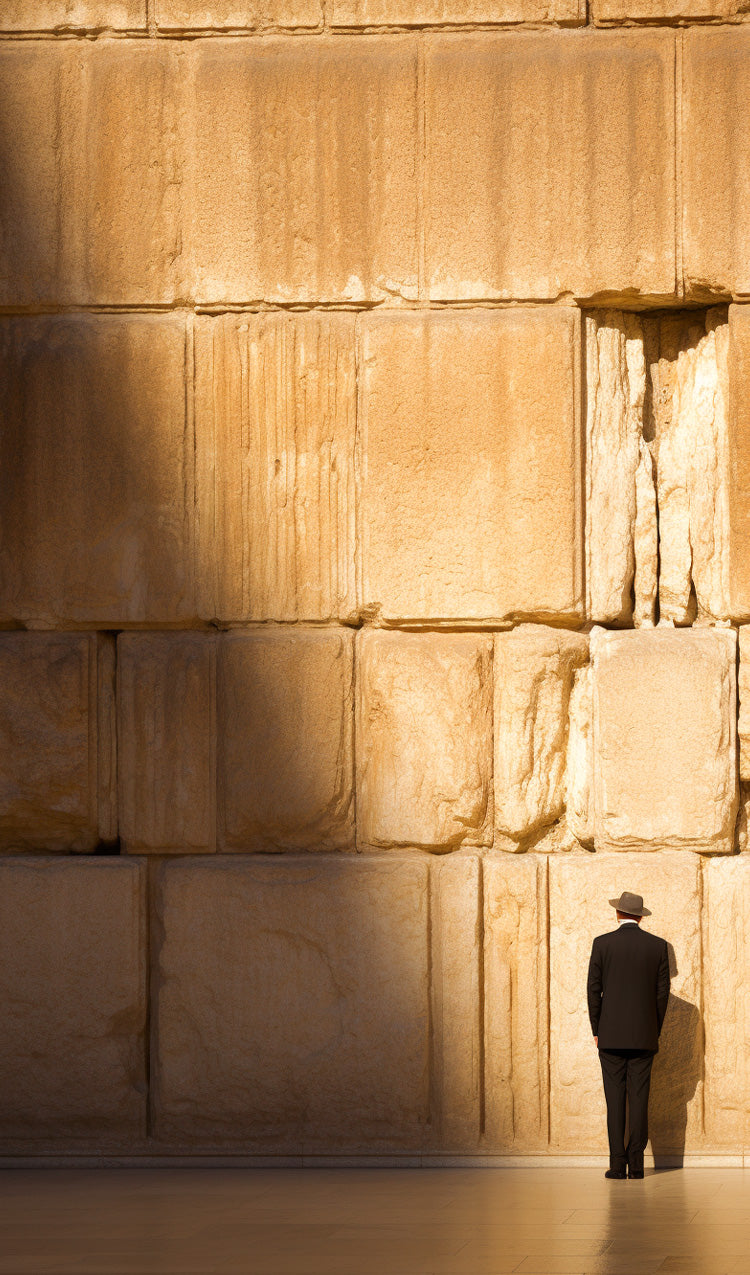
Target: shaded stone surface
pixel 57 740
pixel 285 740
pixel 73 994
pixel 293 1003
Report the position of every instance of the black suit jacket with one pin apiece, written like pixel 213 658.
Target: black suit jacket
pixel 628 988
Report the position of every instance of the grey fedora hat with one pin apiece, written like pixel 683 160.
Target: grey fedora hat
pixel 630 903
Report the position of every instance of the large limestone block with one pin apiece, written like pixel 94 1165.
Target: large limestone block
pixel 743 690
pixel 455 984
pixel 516 1011
pixel 292 1006
pixel 275 422
pixel 308 149
pixel 579 888
pixel 726 927
pixel 424 739
pixel 470 465
pixel 96 470
pixel 239 15
pixel 73 1001
pixel 534 671
pixel 665 768
pixel 57 740
pixel 610 11
pixel 536 149
pixel 716 160
pixel 419 13
pixel 285 739
pixel 89 207
pixel 166 731
pixel 72 15
pixel 739 461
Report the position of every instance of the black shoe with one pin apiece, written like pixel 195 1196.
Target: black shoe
pixel 615 1173
pixel 635 1173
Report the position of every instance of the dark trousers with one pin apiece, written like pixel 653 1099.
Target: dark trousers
pixel 626 1073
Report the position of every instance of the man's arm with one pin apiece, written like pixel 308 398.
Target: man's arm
pixel 662 986
pixel 595 988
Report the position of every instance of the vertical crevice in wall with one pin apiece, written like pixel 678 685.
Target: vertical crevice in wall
pixel 151 866
pixel 679 209
pixel 434 1104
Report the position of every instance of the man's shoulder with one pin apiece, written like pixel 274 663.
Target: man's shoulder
pixel 655 939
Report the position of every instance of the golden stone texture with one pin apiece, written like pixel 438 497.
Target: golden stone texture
pixel 365 13
pixel 470 501
pixel 716 222
pixel 610 11
pixel 240 15
pixel 96 470
pixel 166 731
pixel 534 671
pixel 726 924
pixel 580 886
pixel 536 146
pixel 65 15
pixel 285 740
pixel 293 1003
pixel 275 424
pixel 308 149
pixel 57 740
pixel 73 984
pixel 424 739
pixel 516 1010
pixel 665 770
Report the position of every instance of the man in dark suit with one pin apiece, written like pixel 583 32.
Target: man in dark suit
pixel 628 990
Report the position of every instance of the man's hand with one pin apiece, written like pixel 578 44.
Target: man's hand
pixel 596 1041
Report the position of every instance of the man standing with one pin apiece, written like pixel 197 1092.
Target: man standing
pixel 628 990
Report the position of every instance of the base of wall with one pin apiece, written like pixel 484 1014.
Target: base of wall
pixel 89 1161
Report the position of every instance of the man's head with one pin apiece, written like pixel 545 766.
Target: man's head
pixel 629 907
pixel 626 916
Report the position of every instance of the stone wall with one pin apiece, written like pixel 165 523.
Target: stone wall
pixel 374 569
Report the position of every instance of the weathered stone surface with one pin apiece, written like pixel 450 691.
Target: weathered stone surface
pixel 691 448
pixel 615 391
pixel 89 208
pixel 579 770
pixel 455 983
pixel 293 1003
pixel 365 13
pixel 743 691
pixel 536 149
pixel 57 787
pixel 664 738
pixel 308 147
pixel 166 732
pixel 470 498
pixel 516 1002
pixel 240 15
pixel 424 739
pixel 275 421
pixel 665 379
pixel 739 460
pixel 606 11
pixel 726 925
pixel 63 15
pixel 579 887
pixel 534 670
pixel 285 738
pixel 73 996
pixel 96 470
pixel 33 90
pixel 716 160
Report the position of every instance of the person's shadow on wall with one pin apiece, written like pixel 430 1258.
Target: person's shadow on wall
pixel 674 1079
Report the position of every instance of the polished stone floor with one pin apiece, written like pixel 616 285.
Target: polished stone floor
pixel 372 1222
